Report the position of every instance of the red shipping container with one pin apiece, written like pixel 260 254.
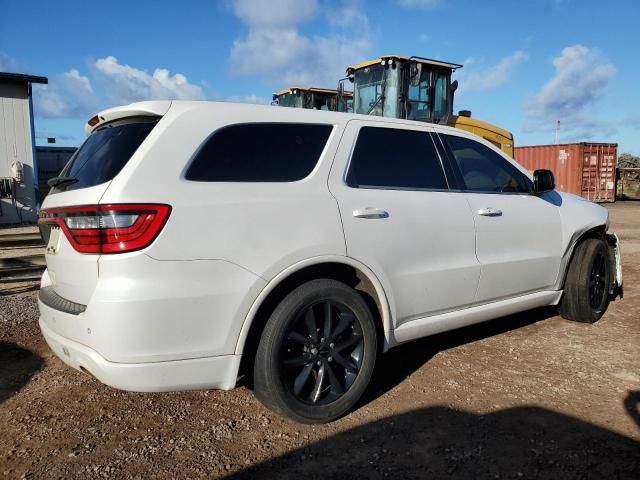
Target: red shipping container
pixel 585 169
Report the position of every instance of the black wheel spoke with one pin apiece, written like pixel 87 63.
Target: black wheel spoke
pixel 348 365
pixel 317 388
pixel 297 361
pixel 327 320
pixel 312 327
pixel 336 386
pixel 302 378
pixel 296 337
pixel 350 342
pixel 345 320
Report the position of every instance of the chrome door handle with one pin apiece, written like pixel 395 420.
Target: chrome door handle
pixel 370 212
pixel 490 212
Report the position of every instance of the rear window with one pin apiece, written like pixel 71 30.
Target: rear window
pixel 105 152
pixel 260 152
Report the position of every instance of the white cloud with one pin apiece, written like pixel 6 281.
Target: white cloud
pixel 281 54
pixel 74 76
pixel 67 95
pixel 493 76
pixel 73 95
pixel 581 78
pixel 126 84
pixel 419 3
pixel 274 12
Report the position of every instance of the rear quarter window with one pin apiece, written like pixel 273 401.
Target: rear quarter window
pixel 103 154
pixel 260 152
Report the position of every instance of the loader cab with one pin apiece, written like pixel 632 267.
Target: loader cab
pixel 413 88
pixel 416 88
pixel 314 98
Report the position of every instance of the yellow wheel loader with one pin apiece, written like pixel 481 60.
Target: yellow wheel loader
pixel 419 89
pixel 314 98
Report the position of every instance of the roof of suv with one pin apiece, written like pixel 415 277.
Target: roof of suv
pixel 161 107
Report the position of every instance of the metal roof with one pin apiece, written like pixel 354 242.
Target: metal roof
pixel 311 89
pixel 22 78
pixel 404 58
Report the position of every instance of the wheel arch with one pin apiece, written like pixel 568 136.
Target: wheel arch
pixel 598 231
pixel 344 269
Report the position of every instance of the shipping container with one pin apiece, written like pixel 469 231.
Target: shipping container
pixel 585 169
pixel 629 183
pixel 51 160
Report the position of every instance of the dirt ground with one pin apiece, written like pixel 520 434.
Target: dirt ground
pixel 525 396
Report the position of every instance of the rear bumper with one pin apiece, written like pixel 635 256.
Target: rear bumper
pixel 200 373
pixel 143 310
pixel 153 325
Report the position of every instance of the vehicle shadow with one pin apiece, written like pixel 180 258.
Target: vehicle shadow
pixel 400 362
pixel 17 366
pixel 439 442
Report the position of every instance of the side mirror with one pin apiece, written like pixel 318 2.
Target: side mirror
pixel 543 181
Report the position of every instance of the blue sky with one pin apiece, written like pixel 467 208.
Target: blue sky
pixel 527 63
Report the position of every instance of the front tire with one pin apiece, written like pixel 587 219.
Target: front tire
pixel 586 289
pixel 317 353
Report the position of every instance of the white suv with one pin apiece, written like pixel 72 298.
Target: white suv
pixel 191 242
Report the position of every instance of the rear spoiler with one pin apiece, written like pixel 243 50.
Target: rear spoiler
pixel 139 109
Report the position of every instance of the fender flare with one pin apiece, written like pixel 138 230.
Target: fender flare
pixel 576 238
pixel 385 304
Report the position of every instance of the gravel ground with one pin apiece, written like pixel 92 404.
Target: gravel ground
pixel 526 396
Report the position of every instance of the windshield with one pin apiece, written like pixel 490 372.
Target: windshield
pixel 324 101
pixel 290 100
pixel 103 154
pixel 368 90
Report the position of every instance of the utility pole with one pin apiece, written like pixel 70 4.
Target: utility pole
pixel 557 132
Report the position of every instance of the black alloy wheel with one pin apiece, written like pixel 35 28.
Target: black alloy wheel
pixel 587 286
pixel 322 353
pixel 317 352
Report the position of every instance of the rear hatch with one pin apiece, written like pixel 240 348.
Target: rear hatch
pixel 71 218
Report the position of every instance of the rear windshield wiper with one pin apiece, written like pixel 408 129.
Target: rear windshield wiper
pixel 56 182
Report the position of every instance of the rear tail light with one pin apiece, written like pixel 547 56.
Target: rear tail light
pixel 114 228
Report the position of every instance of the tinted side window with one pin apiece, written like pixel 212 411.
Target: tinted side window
pixel 394 158
pixel 103 154
pixel 482 169
pixel 260 152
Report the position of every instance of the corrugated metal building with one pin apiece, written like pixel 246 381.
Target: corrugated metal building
pixel 585 169
pixel 50 162
pixel 18 169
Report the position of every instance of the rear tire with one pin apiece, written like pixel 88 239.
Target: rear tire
pixel 586 289
pixel 317 353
